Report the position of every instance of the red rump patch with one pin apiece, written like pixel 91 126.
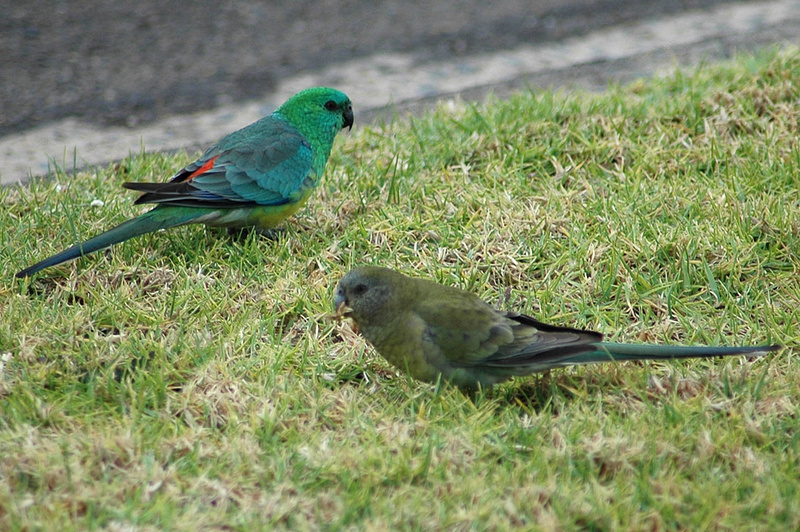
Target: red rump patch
pixel 203 169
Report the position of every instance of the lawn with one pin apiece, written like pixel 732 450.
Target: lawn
pixel 192 380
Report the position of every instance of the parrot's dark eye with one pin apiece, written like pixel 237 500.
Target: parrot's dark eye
pixel 359 289
pixel 330 105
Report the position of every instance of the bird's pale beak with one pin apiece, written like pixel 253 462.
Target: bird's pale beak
pixel 339 299
pixel 340 304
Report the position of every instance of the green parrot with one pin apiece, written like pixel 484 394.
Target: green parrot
pixel 438 332
pixel 254 177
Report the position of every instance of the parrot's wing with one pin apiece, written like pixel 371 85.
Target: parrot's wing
pixel 465 329
pixel 539 344
pixel 271 165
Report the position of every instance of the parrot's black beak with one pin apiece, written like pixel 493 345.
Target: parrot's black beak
pixel 347 114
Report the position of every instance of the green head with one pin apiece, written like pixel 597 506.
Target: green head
pixel 372 295
pixel 318 112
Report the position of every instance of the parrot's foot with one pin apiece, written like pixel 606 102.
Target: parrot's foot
pixel 240 233
pixel 271 234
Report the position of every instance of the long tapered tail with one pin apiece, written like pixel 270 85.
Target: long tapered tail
pixel 610 351
pixel 158 218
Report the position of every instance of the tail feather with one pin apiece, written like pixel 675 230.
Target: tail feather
pixel 610 351
pixel 146 223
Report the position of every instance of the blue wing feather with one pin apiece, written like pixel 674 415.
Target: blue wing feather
pixel 266 163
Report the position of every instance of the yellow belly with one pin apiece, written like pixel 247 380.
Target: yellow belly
pixel 263 218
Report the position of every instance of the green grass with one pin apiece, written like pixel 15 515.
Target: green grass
pixel 190 381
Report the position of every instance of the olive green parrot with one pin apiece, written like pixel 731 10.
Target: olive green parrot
pixel 436 332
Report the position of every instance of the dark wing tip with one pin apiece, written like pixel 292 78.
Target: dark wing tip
pixel 143 187
pixel 545 327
